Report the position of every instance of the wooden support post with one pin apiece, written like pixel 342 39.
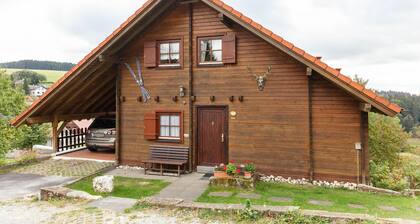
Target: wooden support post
pixel 118 117
pixel 54 139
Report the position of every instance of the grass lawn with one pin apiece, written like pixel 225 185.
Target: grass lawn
pixel 124 187
pixel 341 198
pixel 51 75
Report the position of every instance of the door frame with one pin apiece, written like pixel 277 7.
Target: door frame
pixel 226 110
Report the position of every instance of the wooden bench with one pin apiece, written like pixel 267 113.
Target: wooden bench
pixel 166 155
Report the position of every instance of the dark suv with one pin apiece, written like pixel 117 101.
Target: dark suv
pixel 101 134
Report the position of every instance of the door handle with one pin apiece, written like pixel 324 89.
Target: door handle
pixel 223 137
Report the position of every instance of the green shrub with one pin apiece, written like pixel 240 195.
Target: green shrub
pixel 231 169
pixel 248 213
pixel 298 218
pixel 382 176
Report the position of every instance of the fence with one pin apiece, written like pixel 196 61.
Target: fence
pixel 71 139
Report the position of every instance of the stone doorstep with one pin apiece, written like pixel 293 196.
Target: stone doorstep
pixel 388 208
pixel 248 195
pixel 320 202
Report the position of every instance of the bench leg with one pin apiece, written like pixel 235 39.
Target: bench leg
pixel 145 168
pixel 161 169
pixel 179 170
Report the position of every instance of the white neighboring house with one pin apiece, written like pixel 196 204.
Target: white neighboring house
pixel 37 90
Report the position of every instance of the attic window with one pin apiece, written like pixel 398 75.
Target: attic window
pixel 169 53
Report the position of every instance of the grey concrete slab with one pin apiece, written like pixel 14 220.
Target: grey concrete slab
pixel 388 208
pixel 113 203
pixel 248 195
pixel 418 209
pixel 220 194
pixel 16 185
pixel 281 199
pixel 187 187
pixel 320 202
pixel 356 206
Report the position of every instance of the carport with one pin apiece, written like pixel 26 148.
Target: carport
pixel 91 88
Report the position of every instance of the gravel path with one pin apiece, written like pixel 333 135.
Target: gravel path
pixel 34 212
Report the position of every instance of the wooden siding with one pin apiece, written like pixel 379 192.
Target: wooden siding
pixel 271 127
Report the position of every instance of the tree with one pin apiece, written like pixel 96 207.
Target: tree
pixel 408 123
pixel 32 78
pixel 360 80
pixel 12 102
pixel 386 139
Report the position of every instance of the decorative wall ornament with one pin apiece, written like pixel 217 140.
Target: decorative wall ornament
pixel 241 98
pixel 175 98
pixel 212 98
pixel 261 78
pixel 231 98
pixel 157 99
pixel 139 80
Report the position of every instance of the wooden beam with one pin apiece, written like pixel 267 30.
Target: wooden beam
pixel 99 94
pixel 225 20
pixel 62 126
pixel 96 91
pixel 54 135
pixel 309 71
pixel 89 84
pixel 109 59
pixel 68 117
pixel 117 115
pixel 366 107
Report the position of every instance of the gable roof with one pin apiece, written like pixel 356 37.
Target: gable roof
pixel 334 75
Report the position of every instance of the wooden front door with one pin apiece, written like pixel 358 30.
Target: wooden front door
pixel 212 135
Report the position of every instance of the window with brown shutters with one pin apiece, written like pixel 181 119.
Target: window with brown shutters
pixel 229 48
pixel 150 54
pixel 150 126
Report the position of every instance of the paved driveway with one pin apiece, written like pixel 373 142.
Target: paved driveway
pixel 15 185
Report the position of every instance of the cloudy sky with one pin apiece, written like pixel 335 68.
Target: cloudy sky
pixel 376 39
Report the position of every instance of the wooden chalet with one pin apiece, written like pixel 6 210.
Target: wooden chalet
pixel 222 86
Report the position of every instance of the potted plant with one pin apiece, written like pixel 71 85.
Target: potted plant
pixel 249 170
pixel 231 169
pixel 220 171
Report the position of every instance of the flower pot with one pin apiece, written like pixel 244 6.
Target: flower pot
pixel 247 175
pixel 220 174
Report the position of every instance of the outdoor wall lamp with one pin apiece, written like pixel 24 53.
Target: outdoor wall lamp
pixel 181 91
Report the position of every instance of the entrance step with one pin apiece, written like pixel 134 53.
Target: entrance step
pixel 205 169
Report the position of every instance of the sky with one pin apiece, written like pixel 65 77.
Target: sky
pixel 378 40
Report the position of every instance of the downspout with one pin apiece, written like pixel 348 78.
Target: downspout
pixel 191 86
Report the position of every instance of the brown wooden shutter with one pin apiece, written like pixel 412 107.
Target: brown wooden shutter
pixel 150 126
pixel 150 54
pixel 229 48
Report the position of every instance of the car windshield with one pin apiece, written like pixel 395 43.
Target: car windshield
pixel 103 123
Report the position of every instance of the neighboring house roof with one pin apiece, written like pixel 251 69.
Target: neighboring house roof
pixel 315 63
pixel 79 124
pixel 32 87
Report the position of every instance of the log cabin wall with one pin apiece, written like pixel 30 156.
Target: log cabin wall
pixel 271 127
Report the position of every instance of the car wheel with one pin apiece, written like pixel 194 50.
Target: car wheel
pixel 92 149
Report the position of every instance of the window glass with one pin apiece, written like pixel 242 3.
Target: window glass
pixel 170 126
pixel 211 50
pixel 164 48
pixel 170 53
pixel 216 44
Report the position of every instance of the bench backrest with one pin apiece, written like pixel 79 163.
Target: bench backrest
pixel 169 153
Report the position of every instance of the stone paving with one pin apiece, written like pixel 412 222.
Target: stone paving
pixel 66 168
pixel 356 206
pixel 187 187
pixel 388 208
pixel 281 199
pixel 249 195
pixel 221 194
pixel 113 203
pixel 320 202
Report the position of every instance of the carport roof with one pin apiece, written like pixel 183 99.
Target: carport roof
pixel 149 11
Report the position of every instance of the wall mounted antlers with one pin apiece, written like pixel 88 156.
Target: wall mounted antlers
pixel 260 78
